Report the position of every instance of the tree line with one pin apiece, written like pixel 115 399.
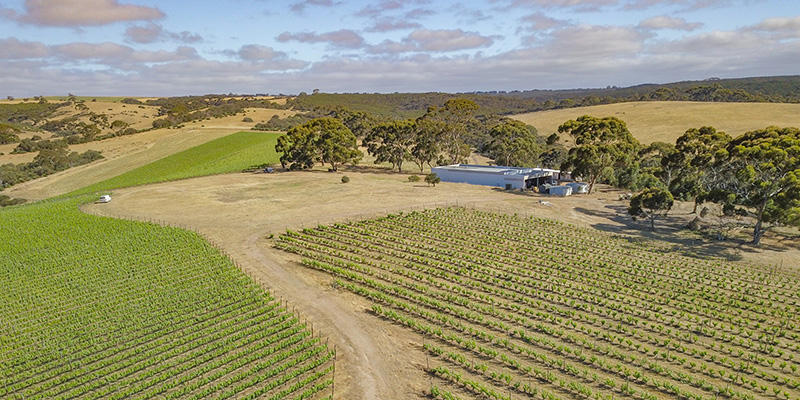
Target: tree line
pixel 755 174
pixel 445 134
pixel 781 89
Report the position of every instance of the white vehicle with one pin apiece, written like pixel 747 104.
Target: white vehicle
pixel 104 199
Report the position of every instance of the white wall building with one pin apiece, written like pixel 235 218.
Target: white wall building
pixel 502 177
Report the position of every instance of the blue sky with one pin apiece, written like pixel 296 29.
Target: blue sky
pixel 170 48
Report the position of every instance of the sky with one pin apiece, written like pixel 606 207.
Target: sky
pixel 177 47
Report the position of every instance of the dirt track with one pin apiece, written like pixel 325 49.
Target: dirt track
pixel 376 360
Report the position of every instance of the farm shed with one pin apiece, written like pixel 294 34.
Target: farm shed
pixel 502 177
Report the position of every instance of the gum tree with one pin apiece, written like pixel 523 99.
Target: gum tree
pixel 324 140
pixel 602 145
pixel 762 175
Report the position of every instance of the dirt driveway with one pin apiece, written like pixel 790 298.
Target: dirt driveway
pixel 238 212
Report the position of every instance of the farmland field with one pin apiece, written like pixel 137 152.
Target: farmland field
pixel 665 121
pixel 231 153
pixel 95 307
pixel 509 307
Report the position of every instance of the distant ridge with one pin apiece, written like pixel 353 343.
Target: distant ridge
pixel 763 89
pixel 768 89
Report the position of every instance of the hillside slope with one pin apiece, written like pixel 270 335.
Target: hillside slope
pixel 665 121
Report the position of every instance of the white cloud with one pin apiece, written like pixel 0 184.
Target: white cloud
pixel 341 38
pixel 77 13
pixel 153 32
pixel 443 40
pixel 392 24
pixel 300 6
pixel 538 21
pixel 15 49
pixel 667 22
pixel 434 41
pixel 118 56
pixel 783 27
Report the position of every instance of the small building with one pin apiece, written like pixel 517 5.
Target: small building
pixel 579 187
pixel 560 190
pixel 497 176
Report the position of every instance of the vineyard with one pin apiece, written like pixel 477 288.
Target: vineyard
pixel 102 308
pixel 509 307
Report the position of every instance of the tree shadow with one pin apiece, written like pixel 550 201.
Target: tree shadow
pixel 672 231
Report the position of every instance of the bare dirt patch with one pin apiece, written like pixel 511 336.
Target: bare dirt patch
pixel 238 213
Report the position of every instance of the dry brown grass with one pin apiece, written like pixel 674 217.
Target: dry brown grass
pixel 121 154
pixel 126 152
pixel 666 121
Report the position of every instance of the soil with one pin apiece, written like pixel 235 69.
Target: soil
pixel 239 213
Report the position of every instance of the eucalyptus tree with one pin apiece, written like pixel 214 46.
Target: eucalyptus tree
pixel 761 174
pixel 602 145
pixel 514 143
pixel 324 140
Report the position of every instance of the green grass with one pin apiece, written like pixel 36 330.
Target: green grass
pixel 100 307
pixel 231 153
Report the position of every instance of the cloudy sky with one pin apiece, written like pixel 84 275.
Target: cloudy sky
pixel 187 47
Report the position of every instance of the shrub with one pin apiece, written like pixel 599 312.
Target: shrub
pixel 345 179
pixel 413 178
pixel 432 179
pixel 247 119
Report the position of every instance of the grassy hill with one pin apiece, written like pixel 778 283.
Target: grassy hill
pixel 665 121
pixel 227 154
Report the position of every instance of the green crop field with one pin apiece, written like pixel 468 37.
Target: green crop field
pixel 509 307
pixel 227 154
pixel 94 307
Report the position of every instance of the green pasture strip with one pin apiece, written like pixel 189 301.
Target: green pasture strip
pixel 95 307
pixel 227 154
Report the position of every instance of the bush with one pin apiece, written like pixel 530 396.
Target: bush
pixel 345 179
pixel 413 178
pixel 247 119
pixel 6 201
pixel 432 179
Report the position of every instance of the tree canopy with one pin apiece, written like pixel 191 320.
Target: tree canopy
pixel 651 204
pixel 601 146
pixel 324 140
pixel 392 142
pixel 761 171
pixel 688 170
pixel 458 116
pixel 514 144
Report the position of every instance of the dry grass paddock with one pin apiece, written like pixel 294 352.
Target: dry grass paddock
pixel 665 121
